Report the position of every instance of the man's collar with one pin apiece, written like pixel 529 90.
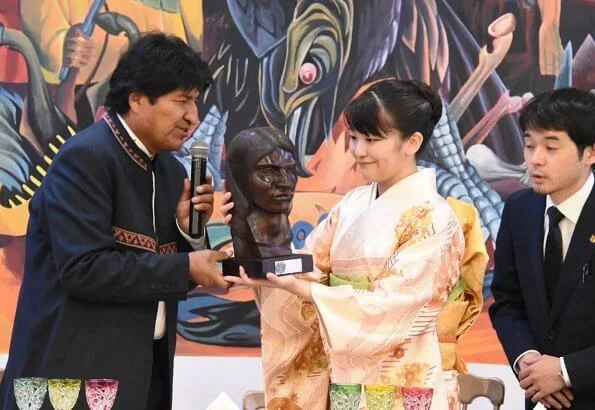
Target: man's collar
pixel 123 135
pixel 134 138
pixel 572 206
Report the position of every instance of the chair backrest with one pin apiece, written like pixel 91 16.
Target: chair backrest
pixel 1 374
pixel 471 387
pixel 253 400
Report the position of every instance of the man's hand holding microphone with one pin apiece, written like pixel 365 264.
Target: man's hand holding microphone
pixel 193 213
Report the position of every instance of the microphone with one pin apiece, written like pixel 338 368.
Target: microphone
pixel 198 176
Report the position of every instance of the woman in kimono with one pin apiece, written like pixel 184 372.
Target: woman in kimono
pixel 386 257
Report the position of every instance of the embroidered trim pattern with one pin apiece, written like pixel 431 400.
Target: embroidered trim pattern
pixel 135 239
pixel 414 224
pixel 168 248
pixel 140 161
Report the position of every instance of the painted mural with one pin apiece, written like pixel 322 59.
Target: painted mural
pixel 292 64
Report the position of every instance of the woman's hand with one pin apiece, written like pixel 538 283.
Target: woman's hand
pixel 289 283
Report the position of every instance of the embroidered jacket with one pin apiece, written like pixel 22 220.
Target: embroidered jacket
pixel 99 257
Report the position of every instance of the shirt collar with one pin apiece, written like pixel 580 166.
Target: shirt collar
pixel 572 206
pixel 134 138
pixel 422 182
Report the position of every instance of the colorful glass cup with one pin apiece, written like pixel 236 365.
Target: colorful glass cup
pixel 379 396
pixel 101 393
pixel 417 398
pixel 64 393
pixel 29 392
pixel 345 396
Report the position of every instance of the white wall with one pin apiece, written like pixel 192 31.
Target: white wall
pixel 199 380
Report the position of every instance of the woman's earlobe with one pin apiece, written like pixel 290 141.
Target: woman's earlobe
pixel 416 140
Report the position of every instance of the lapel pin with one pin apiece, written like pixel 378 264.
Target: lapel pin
pixel 592 238
pixel 586 271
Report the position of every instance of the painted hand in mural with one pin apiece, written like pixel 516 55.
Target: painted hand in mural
pixel 78 48
pixel 550 44
pixel 203 202
pixel 550 50
pixel 203 269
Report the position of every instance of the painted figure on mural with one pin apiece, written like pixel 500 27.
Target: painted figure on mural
pixel 88 40
pixel 305 91
pixel 54 27
pixel 544 30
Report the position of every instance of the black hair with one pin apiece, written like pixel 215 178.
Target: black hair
pixel 155 65
pixel 565 109
pixel 407 106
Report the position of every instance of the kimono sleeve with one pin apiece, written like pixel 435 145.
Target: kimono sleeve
pixel 404 298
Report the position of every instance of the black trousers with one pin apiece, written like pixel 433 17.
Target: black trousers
pixel 159 391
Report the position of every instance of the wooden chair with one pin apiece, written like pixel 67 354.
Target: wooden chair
pixel 1 374
pixel 471 387
pixel 253 400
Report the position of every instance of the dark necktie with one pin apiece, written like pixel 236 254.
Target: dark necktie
pixel 552 261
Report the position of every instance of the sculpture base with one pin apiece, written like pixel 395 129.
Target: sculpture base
pixel 258 267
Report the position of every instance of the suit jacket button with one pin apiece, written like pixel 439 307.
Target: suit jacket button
pixel 551 335
pixel 153 286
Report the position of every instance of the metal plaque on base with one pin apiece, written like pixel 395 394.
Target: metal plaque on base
pixel 258 267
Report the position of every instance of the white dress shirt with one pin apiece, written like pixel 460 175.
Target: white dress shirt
pixel 571 208
pixel 160 323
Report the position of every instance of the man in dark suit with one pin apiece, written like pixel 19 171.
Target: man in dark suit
pixel 108 254
pixel 544 284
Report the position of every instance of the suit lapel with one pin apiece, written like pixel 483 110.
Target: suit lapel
pixel 579 252
pixel 534 219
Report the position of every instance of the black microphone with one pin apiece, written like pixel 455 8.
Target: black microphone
pixel 198 176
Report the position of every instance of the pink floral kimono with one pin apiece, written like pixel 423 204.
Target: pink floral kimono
pixel 384 267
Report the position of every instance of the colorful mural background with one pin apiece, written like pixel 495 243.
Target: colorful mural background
pixel 294 65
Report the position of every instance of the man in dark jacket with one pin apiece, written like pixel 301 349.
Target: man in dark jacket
pixel 544 287
pixel 107 252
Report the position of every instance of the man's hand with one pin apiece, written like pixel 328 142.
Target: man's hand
pixel 204 271
pixel 541 379
pixel 202 202
pixel 528 359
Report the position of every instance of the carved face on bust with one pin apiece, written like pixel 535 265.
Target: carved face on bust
pixel 262 175
pixel 261 171
pixel 272 184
